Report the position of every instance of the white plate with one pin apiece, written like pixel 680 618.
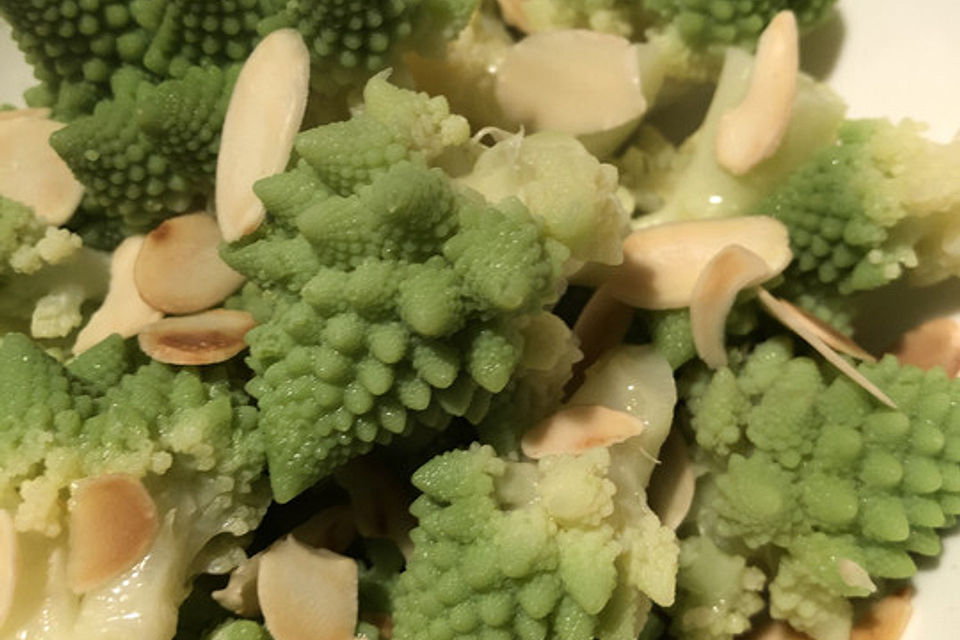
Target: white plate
pixel 894 58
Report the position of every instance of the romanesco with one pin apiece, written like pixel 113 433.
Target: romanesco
pixel 189 437
pixel 386 297
pixel 806 462
pixel 881 201
pixel 151 151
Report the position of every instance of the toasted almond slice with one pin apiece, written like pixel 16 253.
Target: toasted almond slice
pixel 935 343
pixel 113 522
pixel 265 111
pixel 886 619
pixel 576 429
pixel 123 311
pixel 661 264
pixel 752 131
pixel 573 81
pixel 32 173
pixel 9 564
pixel 672 485
pixel 179 270
pixel 13 114
pixel 240 594
pixel 727 273
pixel 789 318
pixel 513 14
pixel 203 338
pixel 603 322
pixel 836 340
pixel 853 575
pixel 307 594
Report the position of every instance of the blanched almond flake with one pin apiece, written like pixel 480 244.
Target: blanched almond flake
pixel 789 319
pixel 13 114
pixel 513 14
pixel 661 264
pixel 836 340
pixel 752 131
pixel 113 521
pixel 123 311
pixel 240 594
pixel 853 575
pixel 265 111
pixel 886 619
pixel 331 528
pixel 9 564
pixel 307 594
pixel 603 322
pixel 935 343
pixel 179 270
pixel 727 273
pixel 574 81
pixel 672 485
pixel 32 173
pixel 576 429
pixel 203 338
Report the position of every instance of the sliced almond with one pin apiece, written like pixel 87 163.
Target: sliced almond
pixel 575 429
pixel 886 619
pixel 795 322
pixel 661 264
pixel 203 338
pixel 573 81
pixel 9 564
pixel 730 271
pixel 240 594
pixel 853 575
pixel 123 311
pixel 836 340
pixel 32 173
pixel 307 594
pixel 672 485
pixel 13 114
pixel 602 324
pixel 113 521
pixel 264 114
pixel 179 270
pixel 935 343
pixel 752 131
pixel 332 528
pixel 514 15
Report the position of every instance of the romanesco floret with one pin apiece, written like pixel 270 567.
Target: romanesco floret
pixel 74 48
pixel 189 437
pixel 46 276
pixel 351 40
pixel 390 298
pixel 807 462
pixel 881 201
pixel 529 550
pixel 150 152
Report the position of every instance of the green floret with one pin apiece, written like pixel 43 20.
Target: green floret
pixel 150 152
pixel 351 40
pixel 387 297
pixel 190 437
pixel 806 462
pixel 45 275
pixel 865 210
pixel 186 33
pixel 74 48
pixel 239 630
pixel 717 592
pixel 529 550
